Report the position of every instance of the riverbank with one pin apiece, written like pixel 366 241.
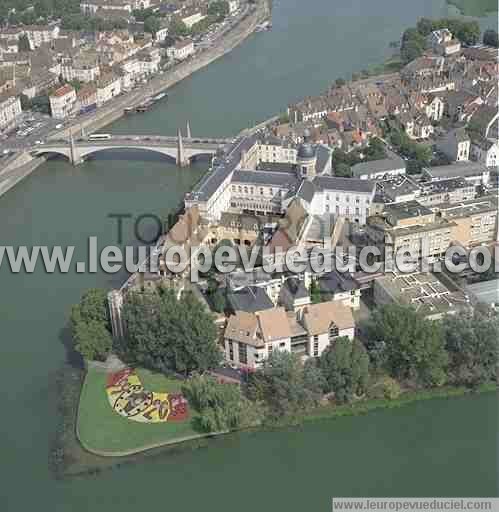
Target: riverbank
pixel 24 164
pixel 258 13
pixel 74 455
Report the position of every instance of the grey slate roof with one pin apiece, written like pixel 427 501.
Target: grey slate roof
pixel 306 191
pixel 265 178
pixel 384 165
pixel 323 158
pixel 456 170
pixel 336 282
pixel 296 288
pixel 344 184
pixel 249 299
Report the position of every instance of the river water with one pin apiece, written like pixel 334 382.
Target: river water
pixel 443 447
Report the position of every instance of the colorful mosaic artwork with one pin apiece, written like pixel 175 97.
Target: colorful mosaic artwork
pixel 128 398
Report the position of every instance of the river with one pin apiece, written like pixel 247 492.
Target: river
pixel 437 448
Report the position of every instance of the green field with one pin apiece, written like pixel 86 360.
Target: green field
pixel 102 431
pixel 475 7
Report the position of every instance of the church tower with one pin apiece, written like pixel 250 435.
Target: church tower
pixel 306 158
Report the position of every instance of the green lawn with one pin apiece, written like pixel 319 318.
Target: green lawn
pixel 102 430
pixel 475 7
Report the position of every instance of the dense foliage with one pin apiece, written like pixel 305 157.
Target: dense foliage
pixel 418 155
pixel 491 38
pixel 345 367
pixel 221 407
pixel 169 334
pixel 90 325
pixel 472 343
pixel 408 346
pixel 78 21
pixel 343 161
pixel 284 386
pixel 414 39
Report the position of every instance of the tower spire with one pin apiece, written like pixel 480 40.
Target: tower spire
pixel 189 136
pixel 180 150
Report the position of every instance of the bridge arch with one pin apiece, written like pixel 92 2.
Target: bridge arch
pixel 168 153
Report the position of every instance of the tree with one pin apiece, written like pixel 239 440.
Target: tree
pixel 413 347
pixel 412 46
pixel 315 292
pixel 93 306
pixel 23 45
pixel 375 150
pixel 91 326
pixel 385 388
pixel 490 38
pixel 152 25
pixel 472 343
pixel 425 26
pixel 92 340
pixel 340 82
pixel 178 29
pixel 221 407
pixel 282 386
pixel 343 170
pixel 169 335
pixel 345 366
pixel 219 9
pixel 468 32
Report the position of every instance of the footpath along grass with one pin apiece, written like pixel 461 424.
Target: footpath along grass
pixel 475 7
pixel 101 430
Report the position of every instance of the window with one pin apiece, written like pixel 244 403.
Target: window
pixel 243 353
pixel 271 347
pixel 231 350
pixel 316 346
pixel 282 344
pixel 333 331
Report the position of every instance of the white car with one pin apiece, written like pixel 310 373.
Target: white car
pixel 38 142
pixel 58 126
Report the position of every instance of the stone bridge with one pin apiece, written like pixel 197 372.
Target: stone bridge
pixel 180 149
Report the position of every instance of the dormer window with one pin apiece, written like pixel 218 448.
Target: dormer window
pixel 334 332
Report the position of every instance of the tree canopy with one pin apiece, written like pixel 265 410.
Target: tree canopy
pixel 345 367
pixel 169 334
pixel 221 407
pixel 281 384
pixel 90 325
pixel 152 25
pixel 472 343
pixel 490 38
pixel 412 347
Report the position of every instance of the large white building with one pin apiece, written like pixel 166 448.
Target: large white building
pixel 39 34
pixel 92 6
pixel 10 110
pixel 84 67
pixel 108 86
pixel 63 102
pixel 234 185
pixel 181 50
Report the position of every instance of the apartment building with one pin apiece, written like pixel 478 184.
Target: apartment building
pixel 181 50
pixel 410 226
pixel 10 111
pixel 474 221
pixel 250 338
pixel 63 102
